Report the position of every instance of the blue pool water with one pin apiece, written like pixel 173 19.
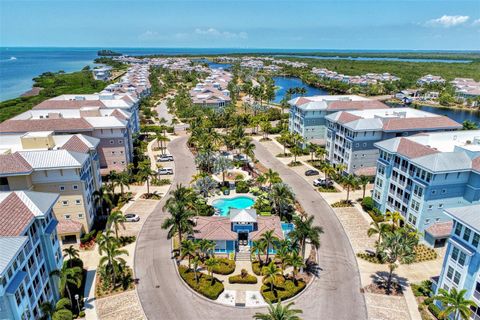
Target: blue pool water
pixel 287 228
pixel 224 205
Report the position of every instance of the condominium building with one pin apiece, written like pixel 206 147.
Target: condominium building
pixel 212 91
pixel 351 135
pixel 29 252
pixel 63 164
pixel 461 265
pixel 111 127
pixel 307 114
pixel 421 176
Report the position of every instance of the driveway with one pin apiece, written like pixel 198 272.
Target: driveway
pixel 335 295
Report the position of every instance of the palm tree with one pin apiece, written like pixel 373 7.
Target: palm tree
pixel 296 261
pixel 378 228
pixel 469 125
pixel 271 272
pixel 112 259
pixel 304 229
pixel 103 199
pixel 395 217
pixel 196 262
pixel 205 185
pixel 221 165
pixel 259 247
pixel 161 138
pixel 122 179
pixel 67 276
pixel 210 264
pixel 188 249
pixel 329 171
pixel 116 219
pixel 182 195
pixel 312 148
pixel 206 246
pixel 349 182
pixel 340 167
pixel 364 181
pixel 180 220
pixel 395 247
pixel 144 174
pixel 282 254
pixel 279 312
pixel 285 139
pixel 72 254
pixel 272 177
pixel 270 241
pixel 266 127
pixel 59 311
pixel 249 148
pixel 282 197
pixel 320 152
pixel 454 303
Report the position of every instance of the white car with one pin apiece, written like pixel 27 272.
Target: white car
pixel 164 158
pixel 165 171
pixel 132 217
pixel 322 183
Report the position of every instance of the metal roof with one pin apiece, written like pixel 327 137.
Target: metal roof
pixel 9 248
pixel 468 215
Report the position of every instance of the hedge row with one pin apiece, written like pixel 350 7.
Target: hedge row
pixel 248 279
pixel 204 285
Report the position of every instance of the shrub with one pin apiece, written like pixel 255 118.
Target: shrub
pixel 126 240
pixel 368 204
pixel 75 262
pixel 342 204
pixel 225 266
pixel 327 189
pixel 243 277
pixel 87 237
pixel 424 289
pixel 435 311
pixel 283 290
pixel 241 187
pixel 203 286
pixel 294 164
pixel 423 253
pixel 256 268
pixel 369 257
pixel 284 155
pixel 160 182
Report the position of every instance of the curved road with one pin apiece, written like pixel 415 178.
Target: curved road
pixel 335 295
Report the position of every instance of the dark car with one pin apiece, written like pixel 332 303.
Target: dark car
pixel 312 173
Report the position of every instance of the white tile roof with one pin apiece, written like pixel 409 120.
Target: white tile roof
pixel 105 122
pixel 53 159
pixel 9 248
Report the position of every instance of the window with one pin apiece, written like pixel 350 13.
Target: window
pixel 67 216
pixel 440 205
pixel 456 278
pixel 458 229
pixel 476 239
pixel 113 152
pixel 444 191
pixel 62 188
pixel 77 202
pixel 65 202
pixel 450 273
pixel 434 191
pixel 120 141
pixel 430 206
pixel 75 187
pixel 112 141
pixel 466 234
pixel 80 216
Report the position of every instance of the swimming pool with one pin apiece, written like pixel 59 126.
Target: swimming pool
pixel 287 228
pixel 224 205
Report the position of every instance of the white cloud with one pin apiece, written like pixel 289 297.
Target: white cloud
pixel 447 21
pixel 214 33
pixel 149 35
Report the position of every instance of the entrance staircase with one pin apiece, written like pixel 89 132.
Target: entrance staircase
pixel 243 253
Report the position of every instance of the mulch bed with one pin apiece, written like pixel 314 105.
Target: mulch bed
pixel 396 290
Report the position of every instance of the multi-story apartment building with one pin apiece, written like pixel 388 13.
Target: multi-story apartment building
pixel 422 175
pixel 212 91
pixel 351 135
pixel 63 164
pixel 461 265
pixel 29 252
pixel 126 102
pixel 307 114
pixel 111 127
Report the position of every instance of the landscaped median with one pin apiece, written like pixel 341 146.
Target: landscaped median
pixel 283 288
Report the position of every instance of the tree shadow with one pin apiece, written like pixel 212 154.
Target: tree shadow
pixel 398 283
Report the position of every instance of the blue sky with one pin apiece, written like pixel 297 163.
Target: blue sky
pixel 380 24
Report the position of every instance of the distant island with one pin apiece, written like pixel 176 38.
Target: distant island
pixel 108 53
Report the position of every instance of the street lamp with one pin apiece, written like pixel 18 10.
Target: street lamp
pixel 78 305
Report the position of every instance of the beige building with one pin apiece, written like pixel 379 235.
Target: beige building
pixel 64 164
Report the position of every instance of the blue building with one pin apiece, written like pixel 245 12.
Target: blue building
pixel 461 266
pixel 237 231
pixel 420 176
pixel 29 251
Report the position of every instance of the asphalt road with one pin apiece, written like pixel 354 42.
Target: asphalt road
pixel 335 295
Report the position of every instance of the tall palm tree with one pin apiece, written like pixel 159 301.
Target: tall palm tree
pixel 103 199
pixel 395 217
pixel 211 263
pixel 145 173
pixel 67 276
pixel 181 194
pixel 206 247
pixel 180 220
pixel 270 272
pixel 378 228
pixel 282 197
pixel 272 177
pixel 196 261
pixel 259 247
pixel 363 181
pixel 340 167
pixel 205 185
pixel 395 247
pixel 249 148
pixel 349 182
pixel 221 165
pixel 71 253
pixel 116 218
pixel 282 254
pixel 296 261
pixel 58 311
pixel 121 179
pixel 279 312
pixel 270 240
pixel 108 248
pixel 454 303
pixel 304 229
pixel 320 152
pixel 188 249
pixel 329 171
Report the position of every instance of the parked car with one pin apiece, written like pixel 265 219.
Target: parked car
pixel 165 171
pixel 312 173
pixel 132 217
pixel 164 158
pixel 322 183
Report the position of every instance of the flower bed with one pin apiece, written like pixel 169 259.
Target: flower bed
pixel 284 155
pixel 294 164
pixel 225 266
pixel 283 289
pixel 423 253
pixel 342 204
pixel 244 277
pixel 369 257
pixel 328 189
pixel 204 285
